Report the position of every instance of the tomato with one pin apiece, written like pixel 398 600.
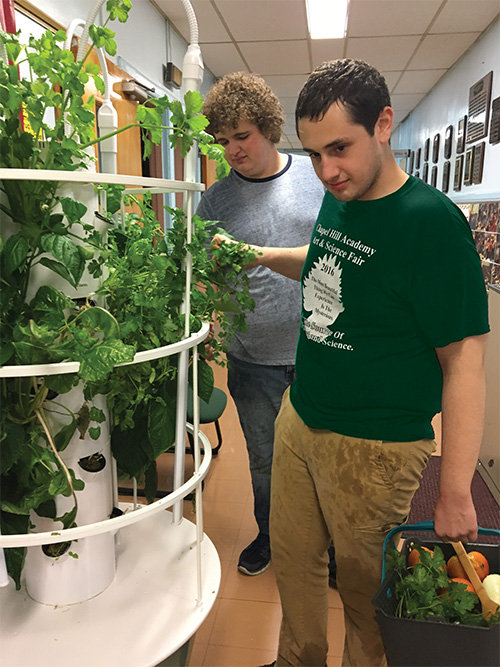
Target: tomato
pixel 414 556
pixel 461 580
pixel 479 562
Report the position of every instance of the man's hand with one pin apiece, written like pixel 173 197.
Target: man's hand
pixel 219 239
pixel 287 261
pixel 455 519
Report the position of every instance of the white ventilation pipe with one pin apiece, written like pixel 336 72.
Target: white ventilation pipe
pixel 85 36
pixel 107 117
pixel 192 69
pixel 192 76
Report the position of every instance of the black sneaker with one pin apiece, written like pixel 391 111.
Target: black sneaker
pixel 256 558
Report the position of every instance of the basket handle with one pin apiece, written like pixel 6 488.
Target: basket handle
pixel 422 526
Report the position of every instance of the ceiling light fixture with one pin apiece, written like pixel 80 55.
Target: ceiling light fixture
pixel 327 19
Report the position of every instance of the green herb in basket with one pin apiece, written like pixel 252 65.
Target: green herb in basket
pixel 427 592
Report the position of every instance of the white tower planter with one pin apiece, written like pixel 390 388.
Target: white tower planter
pixel 87 566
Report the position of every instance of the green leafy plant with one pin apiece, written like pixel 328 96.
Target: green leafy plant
pixel 138 306
pixel 427 592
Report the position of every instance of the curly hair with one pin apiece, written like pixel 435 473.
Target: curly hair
pixel 355 84
pixel 242 95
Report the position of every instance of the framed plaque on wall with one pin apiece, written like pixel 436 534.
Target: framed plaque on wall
pixel 468 166
pixel 461 129
pixel 435 148
pixel 445 184
pixel 427 146
pixel 479 108
pixel 434 176
pixel 448 138
pixel 495 121
pixel 459 168
pixel 478 161
pixel 418 157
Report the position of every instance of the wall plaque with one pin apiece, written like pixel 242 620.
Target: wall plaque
pixel 459 168
pixel 418 157
pixel 426 149
pixel 495 121
pixel 448 138
pixel 435 148
pixel 478 161
pixel 434 176
pixel 479 108
pixel 462 126
pixel 445 184
pixel 469 162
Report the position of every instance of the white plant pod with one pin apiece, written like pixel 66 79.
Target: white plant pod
pixel 66 579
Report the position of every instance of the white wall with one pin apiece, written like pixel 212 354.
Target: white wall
pixel 446 103
pixel 145 42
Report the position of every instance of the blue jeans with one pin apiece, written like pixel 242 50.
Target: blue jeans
pixel 257 391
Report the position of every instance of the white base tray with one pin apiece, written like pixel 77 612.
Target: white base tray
pixel 147 613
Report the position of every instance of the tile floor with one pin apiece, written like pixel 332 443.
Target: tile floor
pixel 243 625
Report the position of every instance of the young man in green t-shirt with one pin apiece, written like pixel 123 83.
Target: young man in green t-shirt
pixel 394 317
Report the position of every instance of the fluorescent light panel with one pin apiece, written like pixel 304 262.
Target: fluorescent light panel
pixel 327 19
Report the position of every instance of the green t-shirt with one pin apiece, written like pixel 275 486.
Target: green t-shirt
pixel 385 282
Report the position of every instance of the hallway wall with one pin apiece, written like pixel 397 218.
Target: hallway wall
pixel 446 103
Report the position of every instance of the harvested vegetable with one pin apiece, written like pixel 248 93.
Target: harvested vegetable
pixel 492 585
pixel 427 592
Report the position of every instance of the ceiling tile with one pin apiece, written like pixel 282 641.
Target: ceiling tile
pixel 384 53
pixel 441 51
pixel 406 102
pixel 222 58
pixel 326 49
pixel 290 133
pixel 210 27
pixel 418 81
pixel 412 42
pixel 289 141
pixel 398 117
pixel 391 78
pixel 254 20
pixel 466 16
pixel 287 85
pixel 390 17
pixel 288 104
pixel 289 57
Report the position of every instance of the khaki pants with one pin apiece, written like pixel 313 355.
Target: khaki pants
pixel 325 486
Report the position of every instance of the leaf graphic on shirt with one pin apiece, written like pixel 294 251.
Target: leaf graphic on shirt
pixel 322 295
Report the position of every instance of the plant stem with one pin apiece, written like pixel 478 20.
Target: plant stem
pixel 41 419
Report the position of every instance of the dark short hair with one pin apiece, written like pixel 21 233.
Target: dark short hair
pixel 242 95
pixel 355 84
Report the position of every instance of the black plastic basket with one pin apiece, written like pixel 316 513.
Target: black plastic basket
pixel 433 643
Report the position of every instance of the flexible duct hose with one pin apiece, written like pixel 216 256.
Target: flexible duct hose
pixel 85 36
pixel 193 23
pixel 78 23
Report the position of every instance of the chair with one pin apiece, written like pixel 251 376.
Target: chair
pixel 210 411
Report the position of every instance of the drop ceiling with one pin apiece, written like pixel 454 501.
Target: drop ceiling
pixel 412 42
